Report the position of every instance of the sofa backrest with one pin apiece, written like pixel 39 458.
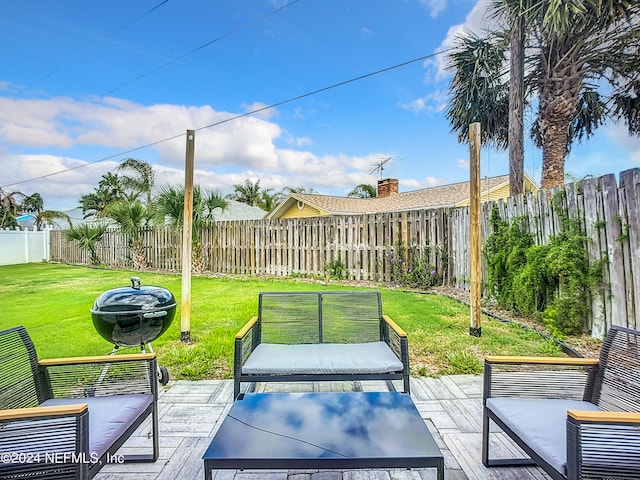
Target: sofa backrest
pixel 20 386
pixel 617 381
pixel 320 317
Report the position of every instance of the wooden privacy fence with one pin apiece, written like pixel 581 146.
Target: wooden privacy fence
pixel 367 245
pixel 610 216
pixel 361 244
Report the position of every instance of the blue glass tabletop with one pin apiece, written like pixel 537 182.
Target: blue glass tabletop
pixel 323 430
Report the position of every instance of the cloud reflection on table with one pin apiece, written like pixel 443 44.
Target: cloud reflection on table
pixel 317 425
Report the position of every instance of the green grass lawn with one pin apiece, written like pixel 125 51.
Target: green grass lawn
pixel 52 301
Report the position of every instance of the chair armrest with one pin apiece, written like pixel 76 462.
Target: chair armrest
pixel 603 444
pixel 35 412
pixel 78 377
pixel 49 362
pixel 630 418
pixel 538 377
pixel 514 360
pixel 44 438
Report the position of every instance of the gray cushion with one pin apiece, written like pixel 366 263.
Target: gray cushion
pixel 323 358
pixel 109 417
pixel 540 423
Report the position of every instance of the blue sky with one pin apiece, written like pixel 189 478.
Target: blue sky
pixel 85 81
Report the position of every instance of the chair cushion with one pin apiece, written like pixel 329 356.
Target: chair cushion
pixel 323 358
pixel 109 417
pixel 540 423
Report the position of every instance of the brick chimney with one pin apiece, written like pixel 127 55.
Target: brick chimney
pixel 387 187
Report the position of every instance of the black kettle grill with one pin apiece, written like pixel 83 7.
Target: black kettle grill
pixel 134 316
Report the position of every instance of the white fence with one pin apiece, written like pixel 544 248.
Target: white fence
pixel 24 246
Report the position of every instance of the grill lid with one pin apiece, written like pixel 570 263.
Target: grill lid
pixel 134 299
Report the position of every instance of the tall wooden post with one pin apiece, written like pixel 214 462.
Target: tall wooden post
pixel 475 328
pixel 187 238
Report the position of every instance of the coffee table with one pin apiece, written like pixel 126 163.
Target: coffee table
pixel 345 430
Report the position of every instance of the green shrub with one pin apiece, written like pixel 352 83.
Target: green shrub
pixel 554 280
pixel 335 269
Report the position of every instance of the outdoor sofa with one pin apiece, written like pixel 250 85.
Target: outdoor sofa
pixel 320 336
pixel 576 418
pixel 67 418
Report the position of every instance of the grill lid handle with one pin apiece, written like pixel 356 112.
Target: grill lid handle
pixel 135 282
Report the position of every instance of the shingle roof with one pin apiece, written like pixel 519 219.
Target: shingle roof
pixel 433 197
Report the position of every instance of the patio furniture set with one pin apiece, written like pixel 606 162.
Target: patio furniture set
pixel 575 418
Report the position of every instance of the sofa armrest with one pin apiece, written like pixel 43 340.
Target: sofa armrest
pixel 79 377
pixel 246 328
pixel 394 326
pixel 246 340
pixel 538 377
pixel 603 444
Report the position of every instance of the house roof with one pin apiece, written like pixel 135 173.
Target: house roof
pixel 433 197
pixel 239 211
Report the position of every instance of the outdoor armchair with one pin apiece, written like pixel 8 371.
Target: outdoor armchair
pixel 66 418
pixel 575 417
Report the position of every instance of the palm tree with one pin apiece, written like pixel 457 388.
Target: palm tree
pixel 110 190
pixel 269 201
pixel 513 11
pixel 289 190
pixel 478 90
pixel 34 205
pixel 248 193
pixel 169 205
pixel 132 218
pixel 585 67
pixel 9 208
pixel 87 237
pixel 364 190
pixel 137 180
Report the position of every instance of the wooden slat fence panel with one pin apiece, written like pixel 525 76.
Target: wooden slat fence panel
pixel 608 212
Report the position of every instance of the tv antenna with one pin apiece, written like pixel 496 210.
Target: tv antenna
pixel 379 165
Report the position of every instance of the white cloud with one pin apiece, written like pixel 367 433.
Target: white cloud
pixel 618 133
pixel 412 184
pixel 261 110
pixel 434 102
pixel 463 164
pixel 435 7
pixel 477 20
pixel 225 154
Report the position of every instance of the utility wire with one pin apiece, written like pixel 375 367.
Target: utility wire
pixel 113 34
pixel 201 47
pixel 242 115
pixel 136 19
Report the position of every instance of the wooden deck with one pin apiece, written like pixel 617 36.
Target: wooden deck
pixel 190 412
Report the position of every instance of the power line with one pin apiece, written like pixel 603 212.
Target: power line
pixel 121 29
pixel 136 19
pixel 201 47
pixel 242 115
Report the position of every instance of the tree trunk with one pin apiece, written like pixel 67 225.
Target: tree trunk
pixel 516 109
pixel 555 118
pixel 559 95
